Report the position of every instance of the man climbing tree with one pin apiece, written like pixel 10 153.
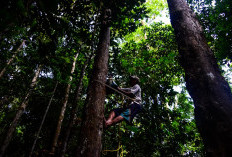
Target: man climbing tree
pixel 127 113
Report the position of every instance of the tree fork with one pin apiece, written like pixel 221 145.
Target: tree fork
pixel 19 113
pixel 210 92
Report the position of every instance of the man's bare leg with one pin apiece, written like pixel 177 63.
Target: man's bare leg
pixel 114 121
pixel 110 119
pixel 117 120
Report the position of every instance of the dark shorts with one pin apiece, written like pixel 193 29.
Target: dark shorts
pixel 129 112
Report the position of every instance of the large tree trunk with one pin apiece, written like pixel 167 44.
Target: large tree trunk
pixel 209 90
pixel 12 58
pixel 19 113
pixel 42 122
pixel 63 109
pixel 92 124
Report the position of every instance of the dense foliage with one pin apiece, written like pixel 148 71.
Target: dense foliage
pixel 51 33
pixel 166 123
pixel 216 17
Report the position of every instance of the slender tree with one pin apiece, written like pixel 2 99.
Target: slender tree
pixel 12 58
pixel 75 106
pixel 92 124
pixel 42 122
pixel 63 109
pixel 19 113
pixel 209 90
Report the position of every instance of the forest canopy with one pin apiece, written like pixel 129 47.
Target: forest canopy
pixel 47 51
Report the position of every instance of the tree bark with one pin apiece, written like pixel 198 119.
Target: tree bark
pixel 41 125
pixel 210 92
pixel 63 109
pixel 12 58
pixel 19 113
pixel 92 123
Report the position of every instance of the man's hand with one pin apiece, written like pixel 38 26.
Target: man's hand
pixel 114 85
pixel 131 95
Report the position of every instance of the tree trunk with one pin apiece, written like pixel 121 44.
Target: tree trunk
pixel 41 125
pixel 12 58
pixel 74 108
pixel 210 92
pixel 92 123
pixel 19 113
pixel 63 109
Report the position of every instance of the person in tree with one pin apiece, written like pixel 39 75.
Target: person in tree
pixel 128 112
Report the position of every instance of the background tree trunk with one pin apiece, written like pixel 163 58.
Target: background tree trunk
pixel 92 123
pixel 41 125
pixel 12 58
pixel 74 108
pixel 63 109
pixel 19 113
pixel 209 90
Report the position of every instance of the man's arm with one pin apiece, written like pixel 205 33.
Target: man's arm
pixel 126 92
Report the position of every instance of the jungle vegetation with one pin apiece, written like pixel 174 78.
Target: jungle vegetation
pixel 52 51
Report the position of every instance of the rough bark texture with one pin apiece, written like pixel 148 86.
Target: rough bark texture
pixel 19 113
pixel 209 90
pixel 63 109
pixel 92 126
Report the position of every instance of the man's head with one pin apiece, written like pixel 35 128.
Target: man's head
pixel 134 80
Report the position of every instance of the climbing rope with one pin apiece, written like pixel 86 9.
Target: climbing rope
pixel 115 90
